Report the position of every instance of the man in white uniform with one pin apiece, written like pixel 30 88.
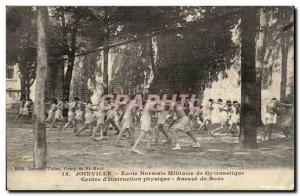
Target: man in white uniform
pixel 235 117
pixel 103 107
pixel 207 111
pixel 224 116
pixel 71 113
pixel 89 117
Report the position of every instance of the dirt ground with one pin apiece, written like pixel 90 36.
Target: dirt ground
pixel 65 149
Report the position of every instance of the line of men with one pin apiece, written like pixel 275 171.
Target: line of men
pixel 153 116
pixel 227 115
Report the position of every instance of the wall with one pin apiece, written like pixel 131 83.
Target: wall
pixel 54 79
pixel 87 77
pixel 172 62
pixel 129 67
pixel 167 62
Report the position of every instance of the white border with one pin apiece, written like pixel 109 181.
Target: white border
pixel 152 2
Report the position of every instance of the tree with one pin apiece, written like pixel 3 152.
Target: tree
pixel 248 79
pixel 21 45
pixel 27 67
pixel 40 146
pixel 105 49
pixel 286 15
pixel 277 34
pixel 260 55
pixel 72 20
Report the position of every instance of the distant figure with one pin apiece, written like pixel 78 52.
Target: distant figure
pixel 196 115
pixel 21 104
pixel 274 109
pixel 207 112
pixel 110 119
pixel 52 111
pixel 79 114
pixel 224 116
pixel 31 110
pixel 71 114
pixel 270 118
pixel 235 117
pixel 89 118
pixel 58 114
pixel 25 113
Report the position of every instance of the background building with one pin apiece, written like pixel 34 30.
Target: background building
pixel 13 84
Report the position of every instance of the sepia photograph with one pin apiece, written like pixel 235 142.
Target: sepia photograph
pixel 116 98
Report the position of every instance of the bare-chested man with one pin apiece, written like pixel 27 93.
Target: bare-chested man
pixel 146 128
pixel 182 124
pixel 161 121
pixel 110 119
pixel 103 107
pixel 127 123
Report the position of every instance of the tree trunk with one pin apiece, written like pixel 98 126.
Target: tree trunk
pixel 68 76
pixel 284 57
pixel 154 68
pixel 105 69
pixel 248 79
pixel 105 52
pixel 64 30
pixel 40 146
pixel 62 77
pixel 71 58
pixel 23 88
pixel 27 91
pixel 260 54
